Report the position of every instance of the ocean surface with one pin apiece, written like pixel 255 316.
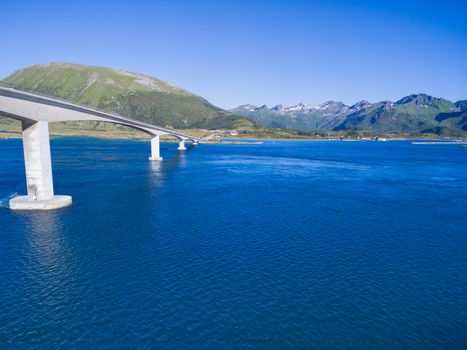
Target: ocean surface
pixel 284 245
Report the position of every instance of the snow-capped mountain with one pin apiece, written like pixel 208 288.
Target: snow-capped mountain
pixel 413 113
pixel 302 116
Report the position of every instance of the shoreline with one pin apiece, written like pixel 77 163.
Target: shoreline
pixel 5 135
pixel 222 137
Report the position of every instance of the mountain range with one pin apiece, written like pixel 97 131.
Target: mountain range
pixel 415 113
pixel 142 97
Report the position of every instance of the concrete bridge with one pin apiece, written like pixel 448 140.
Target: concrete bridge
pixel 35 113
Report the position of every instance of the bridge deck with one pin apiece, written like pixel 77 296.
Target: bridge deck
pixel 24 105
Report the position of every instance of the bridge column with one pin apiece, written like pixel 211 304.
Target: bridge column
pixel 155 149
pixel 38 164
pixel 181 145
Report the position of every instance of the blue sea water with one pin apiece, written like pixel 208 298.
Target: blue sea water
pixel 284 245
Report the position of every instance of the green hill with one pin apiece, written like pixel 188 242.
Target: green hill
pixel 454 120
pixel 129 94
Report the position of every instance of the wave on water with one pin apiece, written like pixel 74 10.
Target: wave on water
pixel 284 164
pixel 5 200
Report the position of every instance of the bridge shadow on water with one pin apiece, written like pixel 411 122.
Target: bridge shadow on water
pixel 170 163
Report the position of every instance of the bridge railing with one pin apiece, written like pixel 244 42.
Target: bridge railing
pixel 59 99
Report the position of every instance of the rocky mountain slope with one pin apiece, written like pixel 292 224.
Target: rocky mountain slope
pixel 129 94
pixel 325 116
pixel 414 113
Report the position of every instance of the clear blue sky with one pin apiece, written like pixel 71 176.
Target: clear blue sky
pixel 259 52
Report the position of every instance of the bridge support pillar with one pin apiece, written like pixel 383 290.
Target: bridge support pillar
pixel 38 163
pixel 181 145
pixel 155 149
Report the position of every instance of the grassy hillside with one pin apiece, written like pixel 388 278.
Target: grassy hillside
pixel 129 94
pixel 414 113
pixel 453 120
pixel 152 100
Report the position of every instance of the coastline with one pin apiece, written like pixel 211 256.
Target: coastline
pixel 250 140
pixel 12 129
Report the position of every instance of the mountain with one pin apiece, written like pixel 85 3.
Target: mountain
pixel 454 119
pixel 129 94
pixel 152 100
pixel 461 104
pixel 325 116
pixel 414 113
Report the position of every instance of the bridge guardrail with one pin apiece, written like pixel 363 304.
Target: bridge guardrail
pixel 32 92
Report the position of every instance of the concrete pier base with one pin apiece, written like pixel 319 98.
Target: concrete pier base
pixel 38 164
pixel 26 203
pixel 155 149
pixel 181 145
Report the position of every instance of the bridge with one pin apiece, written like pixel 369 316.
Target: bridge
pixel 35 113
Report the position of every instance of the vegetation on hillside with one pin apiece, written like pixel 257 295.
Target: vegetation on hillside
pixel 152 100
pixel 415 114
pixel 129 94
